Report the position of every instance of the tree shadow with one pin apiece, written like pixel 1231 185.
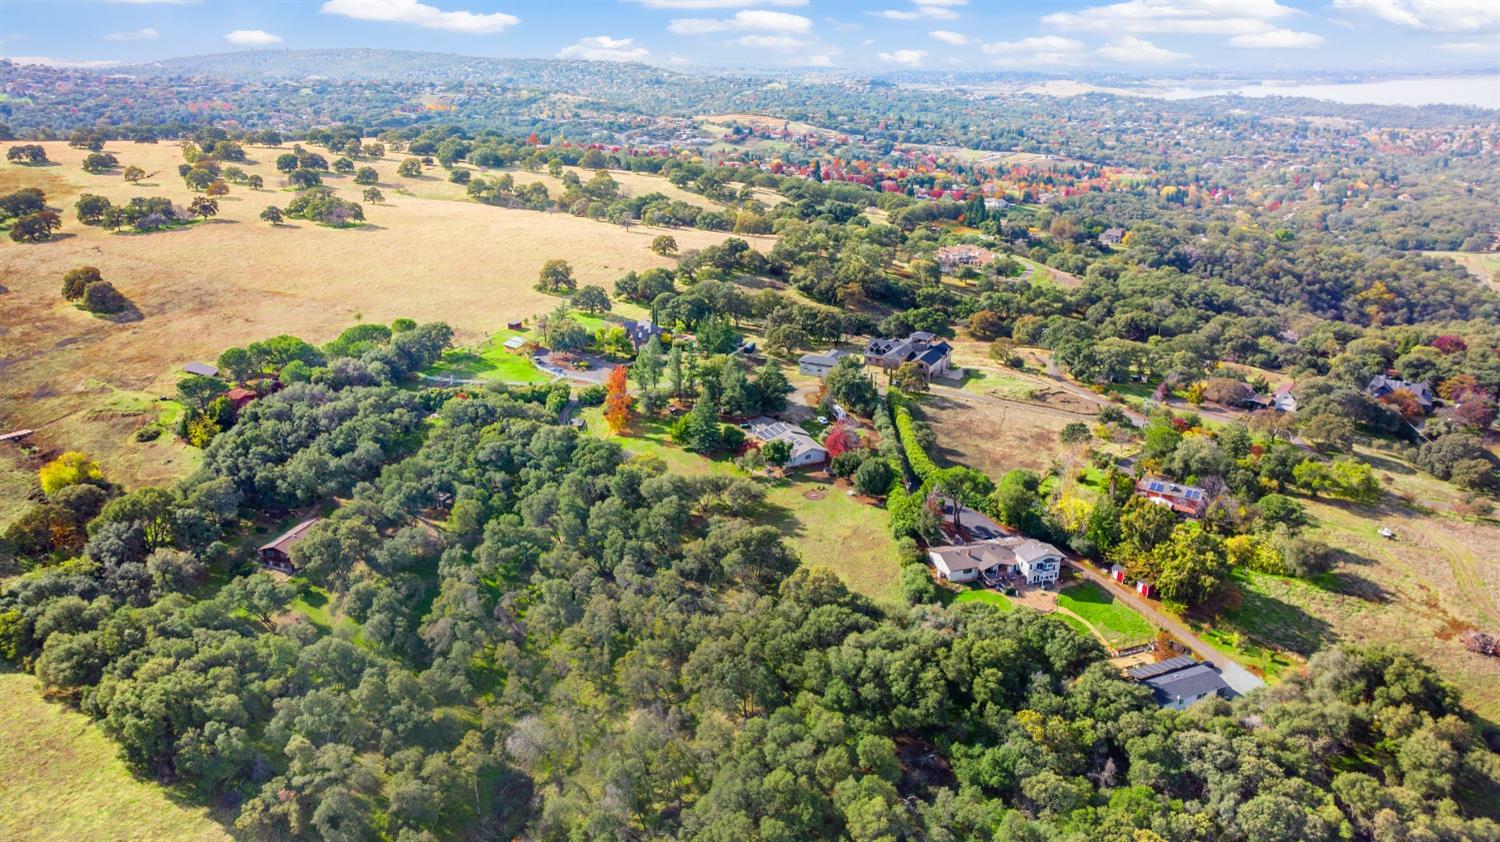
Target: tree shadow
pixel 1386 464
pixel 1357 586
pixel 131 313
pixel 1268 619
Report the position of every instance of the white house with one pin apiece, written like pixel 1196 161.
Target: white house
pixel 1034 562
pixel 1283 399
pixel 818 365
pixel 805 450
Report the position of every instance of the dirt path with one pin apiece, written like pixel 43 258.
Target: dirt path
pixel 1241 680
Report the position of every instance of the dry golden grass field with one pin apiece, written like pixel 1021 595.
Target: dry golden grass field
pixel 426 253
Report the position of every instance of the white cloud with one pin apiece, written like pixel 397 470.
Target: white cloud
pixel 747 21
pixel 1192 17
pixel 134 35
pixel 1128 49
pixel 1283 39
pixel 1437 15
pixel 773 42
pixel 1036 50
pixel 955 38
pixel 604 48
pixel 421 14
pixel 252 38
pixel 1249 23
pixel 905 58
pixel 820 60
pixel 939 9
pixel 1478 48
pixel 717 4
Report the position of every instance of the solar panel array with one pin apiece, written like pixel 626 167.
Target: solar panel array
pixel 1145 671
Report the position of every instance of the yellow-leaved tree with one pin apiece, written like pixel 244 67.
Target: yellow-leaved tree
pixel 71 468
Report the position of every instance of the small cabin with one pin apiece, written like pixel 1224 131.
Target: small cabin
pixel 277 555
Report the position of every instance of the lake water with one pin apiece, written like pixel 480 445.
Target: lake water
pixel 1482 91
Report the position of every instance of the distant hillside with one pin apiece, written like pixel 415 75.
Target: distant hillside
pixel 401 65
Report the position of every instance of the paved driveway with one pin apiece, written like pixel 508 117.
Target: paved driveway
pixel 1239 679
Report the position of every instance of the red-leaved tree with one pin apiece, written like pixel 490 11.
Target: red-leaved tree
pixel 838 440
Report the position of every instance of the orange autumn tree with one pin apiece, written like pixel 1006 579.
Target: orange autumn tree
pixel 617 400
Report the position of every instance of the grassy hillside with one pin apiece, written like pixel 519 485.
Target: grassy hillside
pixel 61 780
pixel 426 253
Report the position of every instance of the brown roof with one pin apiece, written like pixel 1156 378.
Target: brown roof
pixel 285 541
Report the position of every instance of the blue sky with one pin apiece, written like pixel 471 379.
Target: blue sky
pixel 1141 36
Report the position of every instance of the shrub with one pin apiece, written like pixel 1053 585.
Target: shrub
pixel 77 281
pixel 916 585
pixel 873 477
pixel 592 395
pixel 102 297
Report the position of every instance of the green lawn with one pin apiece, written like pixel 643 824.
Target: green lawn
pixel 1119 624
pixel 823 524
pixel 492 361
pixel 62 779
pixel 989 597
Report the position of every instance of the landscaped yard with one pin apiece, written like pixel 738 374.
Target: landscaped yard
pixel 989 597
pixel 62 779
pixel 1120 626
pixel 493 362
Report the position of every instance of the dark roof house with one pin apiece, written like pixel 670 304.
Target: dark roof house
pixel 640 333
pixel 1381 386
pixel 1180 682
pixel 930 354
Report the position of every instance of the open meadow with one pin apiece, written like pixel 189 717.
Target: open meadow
pixel 61 779
pixel 1419 591
pixel 426 253
pixel 1483 265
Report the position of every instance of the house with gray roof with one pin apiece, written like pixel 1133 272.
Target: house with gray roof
pixel 1382 386
pixel 931 354
pixel 1035 562
pixel 818 365
pixel 1181 682
pixel 805 450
